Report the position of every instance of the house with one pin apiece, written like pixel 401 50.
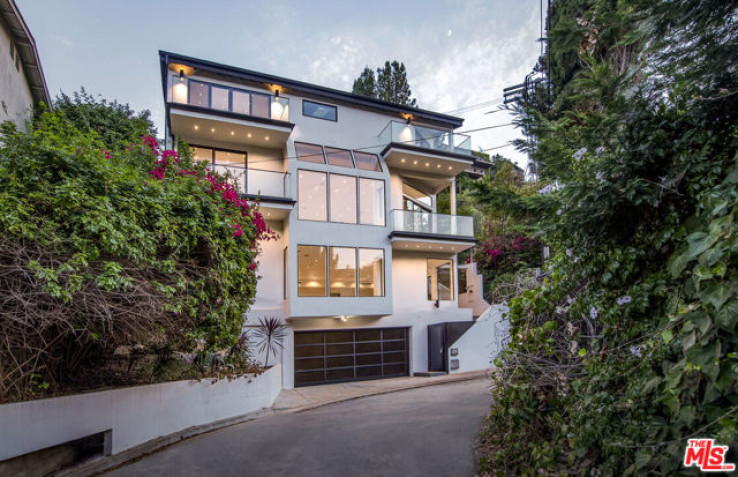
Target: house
pixel 22 83
pixel 364 272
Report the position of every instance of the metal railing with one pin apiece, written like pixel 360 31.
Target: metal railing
pixel 426 138
pixel 435 224
pixel 226 98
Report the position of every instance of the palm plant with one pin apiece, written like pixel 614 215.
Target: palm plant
pixel 269 334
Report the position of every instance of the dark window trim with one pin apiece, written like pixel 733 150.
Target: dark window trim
pixel 320 104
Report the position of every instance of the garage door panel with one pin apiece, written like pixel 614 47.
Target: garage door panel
pixel 346 355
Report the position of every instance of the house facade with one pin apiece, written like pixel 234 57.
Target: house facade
pixel 364 271
pixel 22 83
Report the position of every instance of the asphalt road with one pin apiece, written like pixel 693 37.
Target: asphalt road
pixel 428 431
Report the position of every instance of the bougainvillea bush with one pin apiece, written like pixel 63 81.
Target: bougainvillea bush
pixel 106 246
pixel 500 255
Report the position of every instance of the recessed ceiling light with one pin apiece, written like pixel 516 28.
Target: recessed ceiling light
pixel 212 129
pixel 248 135
pixel 427 164
pixel 266 138
pixel 233 133
pixel 438 166
pixel 197 127
pixel 449 168
pixel 415 162
pixel 402 160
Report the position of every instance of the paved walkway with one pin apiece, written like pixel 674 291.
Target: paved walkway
pixel 301 399
pixel 424 432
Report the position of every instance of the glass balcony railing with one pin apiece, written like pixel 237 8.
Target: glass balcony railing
pixel 435 224
pixel 224 98
pixel 257 181
pixel 427 138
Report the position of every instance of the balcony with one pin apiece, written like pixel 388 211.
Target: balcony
pixel 425 151
pixel 271 187
pixel 424 231
pixel 205 112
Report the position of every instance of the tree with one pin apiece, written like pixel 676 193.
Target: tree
pixel 388 84
pixel 366 83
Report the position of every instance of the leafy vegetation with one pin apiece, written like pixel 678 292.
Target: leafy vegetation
pixel 108 242
pixel 388 84
pixel 630 347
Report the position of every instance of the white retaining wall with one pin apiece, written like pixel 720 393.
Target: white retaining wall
pixel 132 415
pixel 481 343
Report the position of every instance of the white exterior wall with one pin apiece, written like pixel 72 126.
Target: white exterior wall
pixel 481 343
pixel 133 415
pixel 15 95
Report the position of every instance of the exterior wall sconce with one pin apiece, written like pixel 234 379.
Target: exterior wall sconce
pixel 276 94
pixel 181 75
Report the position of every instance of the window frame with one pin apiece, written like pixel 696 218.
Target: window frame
pixel 327 271
pixel 330 195
pixel 384 201
pixel 319 104
pixel 357 270
pixel 451 281
pixel 327 196
pixel 322 151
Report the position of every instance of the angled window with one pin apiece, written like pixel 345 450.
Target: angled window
pixel 319 110
pixel 342 271
pixel 343 199
pixel 338 157
pixel 371 272
pixel 367 162
pixel 311 270
pixel 310 152
pixel 371 201
pixel 311 200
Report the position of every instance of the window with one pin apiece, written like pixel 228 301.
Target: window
pixel 371 202
pixel 367 162
pixel 339 270
pixel 260 105
pixel 319 110
pixel 309 152
pixel 219 98
pixel 343 271
pixel 203 154
pixel 241 102
pixel 311 270
pixel 311 200
pixel 233 163
pixel 199 94
pixel 371 272
pixel 338 157
pixel 343 199
pixel 413 199
pixel 440 279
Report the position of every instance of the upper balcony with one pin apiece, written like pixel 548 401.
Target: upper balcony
pixel 203 112
pixel 425 151
pixel 272 188
pixel 425 231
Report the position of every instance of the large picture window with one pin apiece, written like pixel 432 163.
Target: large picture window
pixel 311 201
pixel 371 202
pixel 311 270
pixel 371 272
pixel 342 271
pixel 335 274
pixel 343 199
pixel 440 279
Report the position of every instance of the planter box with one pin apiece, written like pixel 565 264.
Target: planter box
pixel 132 416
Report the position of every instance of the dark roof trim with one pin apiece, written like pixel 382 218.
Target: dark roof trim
pixel 438 237
pixel 269 198
pixel 232 115
pixel 26 47
pixel 322 92
pixel 423 150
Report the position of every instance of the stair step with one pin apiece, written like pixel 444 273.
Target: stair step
pixel 430 374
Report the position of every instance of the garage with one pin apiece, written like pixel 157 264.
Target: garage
pixel 334 356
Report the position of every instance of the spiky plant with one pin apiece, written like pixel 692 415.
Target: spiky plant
pixel 270 334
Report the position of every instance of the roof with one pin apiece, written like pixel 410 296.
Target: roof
pixel 26 47
pixel 311 90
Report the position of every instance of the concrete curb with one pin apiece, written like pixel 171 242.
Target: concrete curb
pixel 105 464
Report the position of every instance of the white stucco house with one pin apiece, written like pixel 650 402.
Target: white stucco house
pixel 364 272
pixel 22 83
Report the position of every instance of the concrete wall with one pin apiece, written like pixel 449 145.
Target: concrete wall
pixel 133 415
pixel 15 95
pixel 474 296
pixel 481 343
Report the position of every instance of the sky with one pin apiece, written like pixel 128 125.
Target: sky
pixel 459 54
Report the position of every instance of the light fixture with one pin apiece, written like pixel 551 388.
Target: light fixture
pixel 415 162
pixel 276 93
pixel 212 130
pixel 438 166
pixel 343 318
pixel 181 75
pixel 402 160
pixel 427 164
pixel 449 168
pixel 248 135
pixel 233 133
pixel 197 127
pixel 266 138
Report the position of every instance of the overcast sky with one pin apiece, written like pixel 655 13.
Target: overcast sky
pixel 458 53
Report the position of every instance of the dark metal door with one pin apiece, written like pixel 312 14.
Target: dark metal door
pixel 437 347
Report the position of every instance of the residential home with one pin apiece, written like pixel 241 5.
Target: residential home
pixel 22 83
pixel 364 272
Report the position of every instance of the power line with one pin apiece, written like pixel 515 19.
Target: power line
pixel 471 107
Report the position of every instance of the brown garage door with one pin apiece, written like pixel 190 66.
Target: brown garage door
pixel 349 355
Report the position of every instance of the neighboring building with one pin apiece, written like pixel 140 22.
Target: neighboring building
pixel 364 271
pixel 22 83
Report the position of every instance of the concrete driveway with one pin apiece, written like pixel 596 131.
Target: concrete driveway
pixel 429 431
